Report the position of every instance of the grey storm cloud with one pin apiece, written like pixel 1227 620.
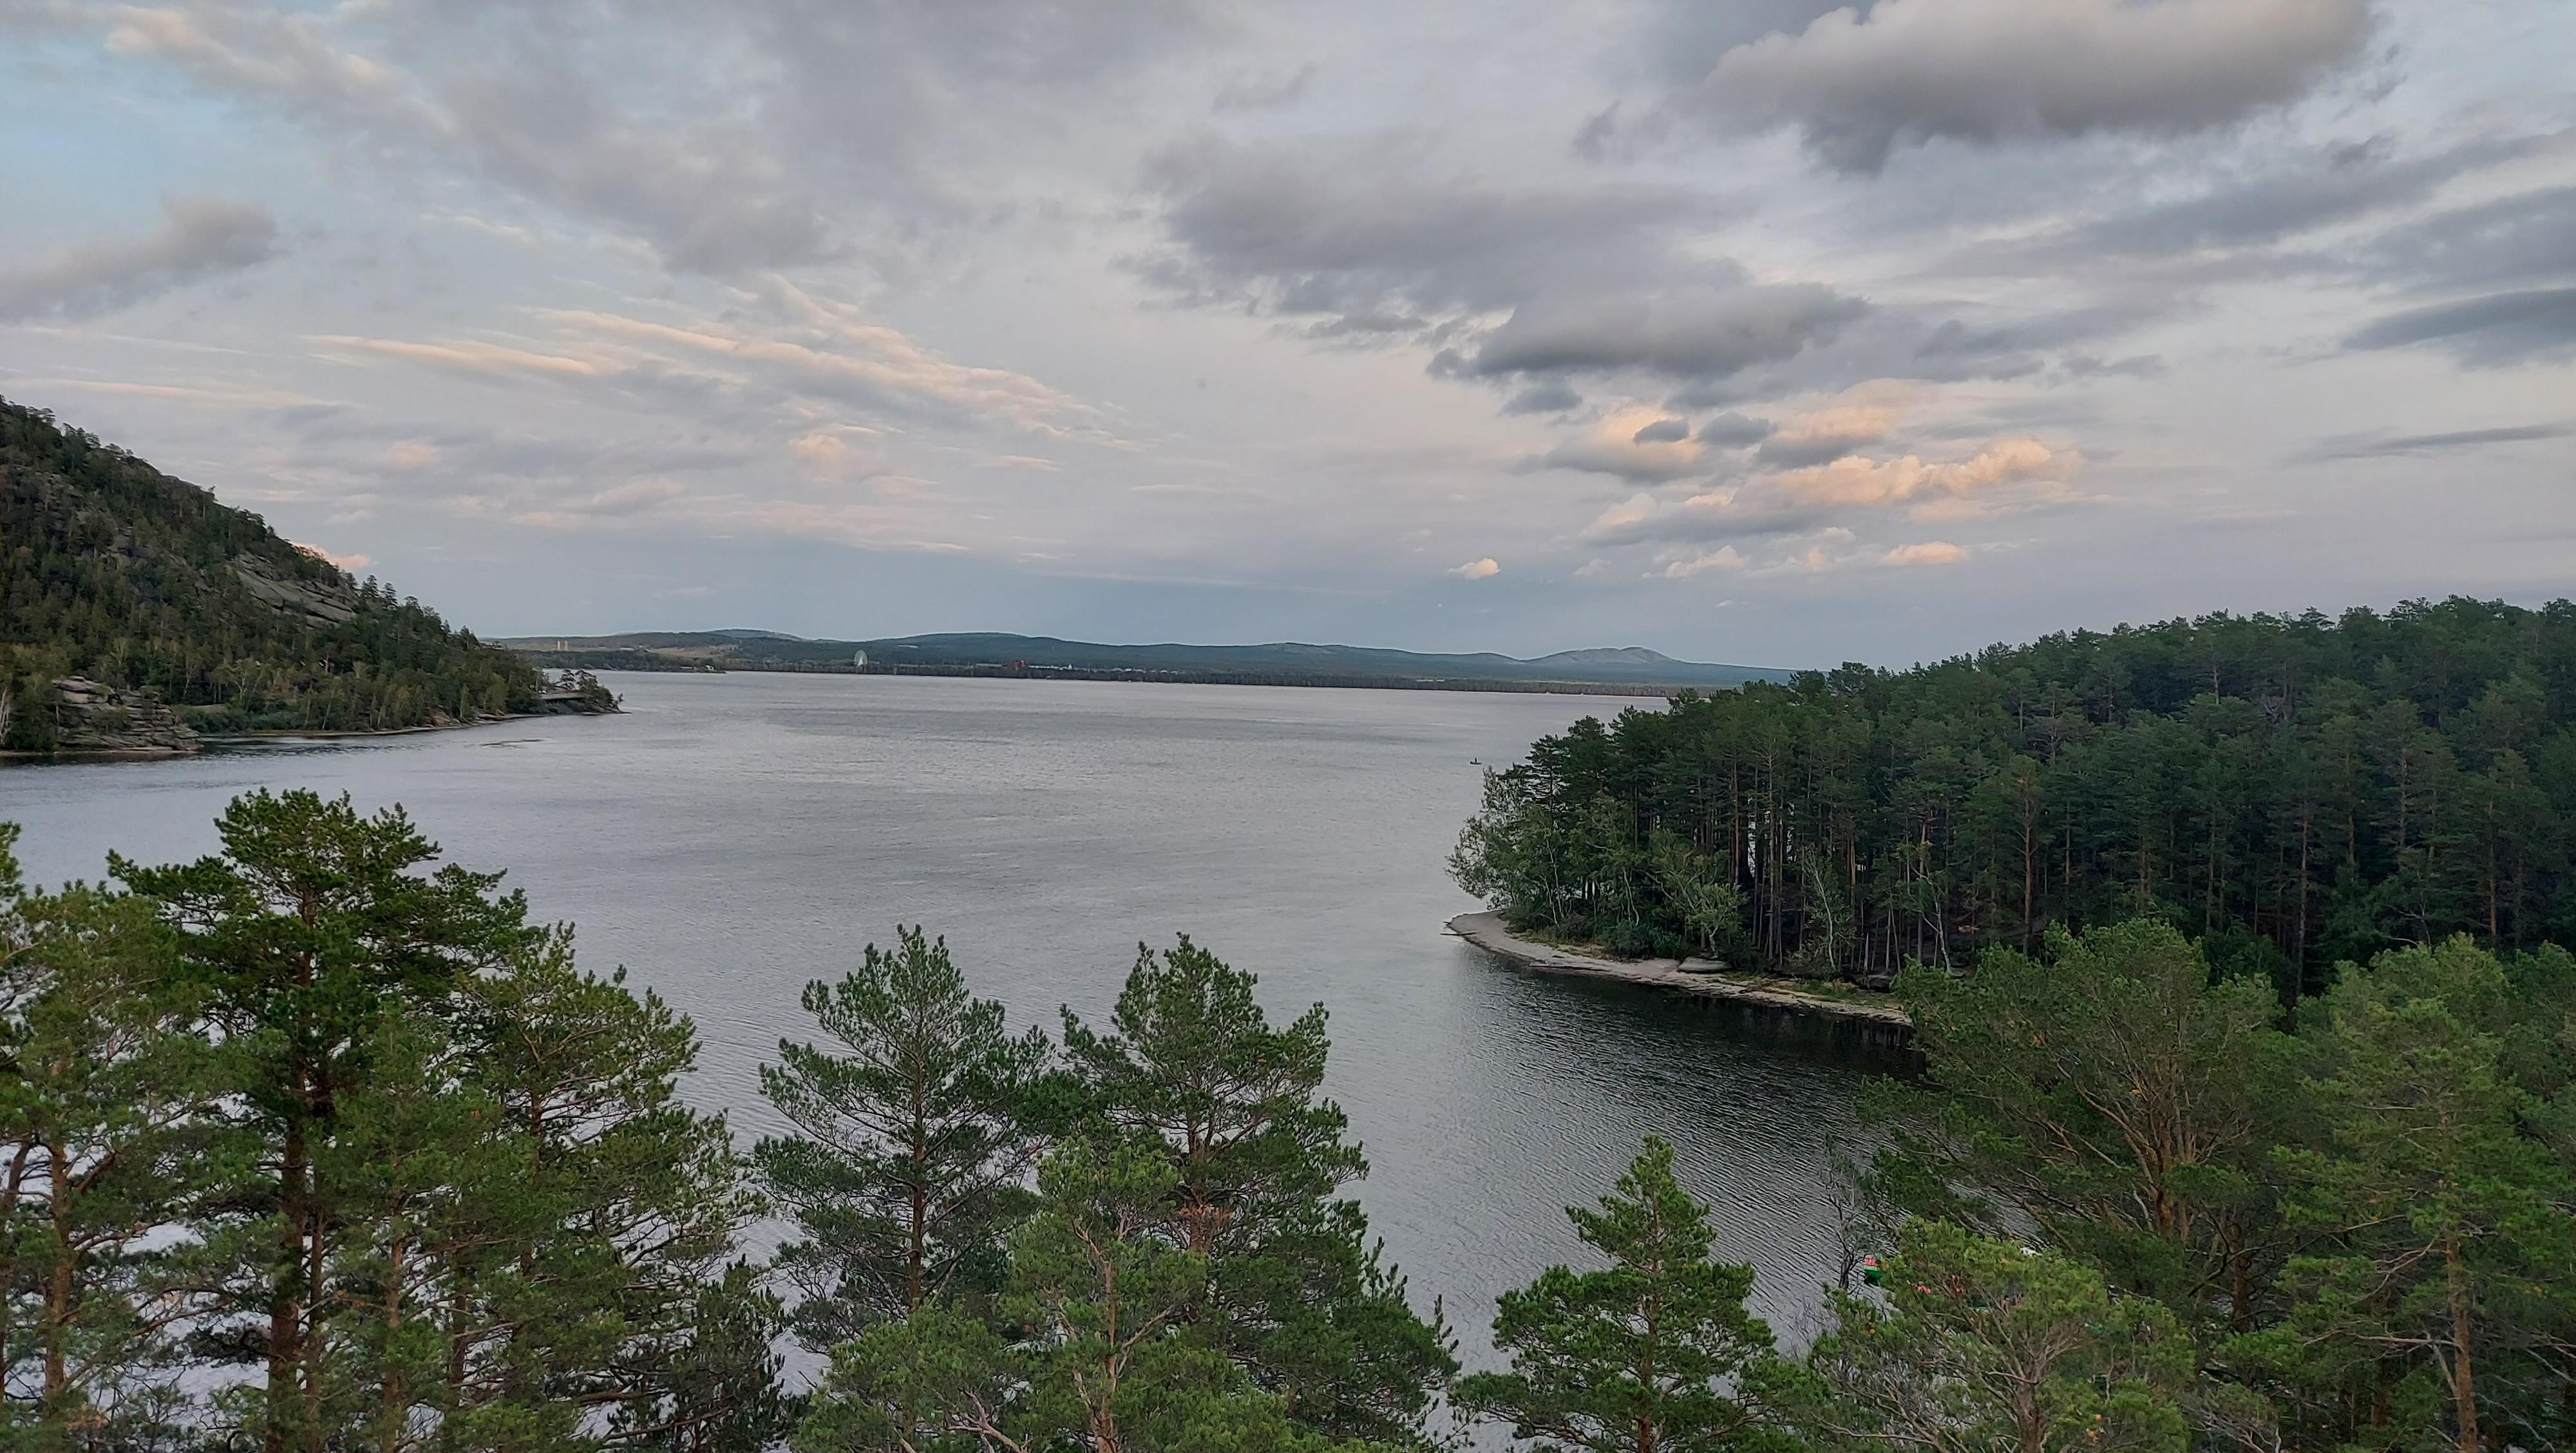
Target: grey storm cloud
pixel 1554 396
pixel 1367 233
pixel 1857 87
pixel 199 238
pixel 2398 446
pixel 1710 332
pixel 2489 331
pixel 1363 230
pixel 1734 431
pixel 1662 431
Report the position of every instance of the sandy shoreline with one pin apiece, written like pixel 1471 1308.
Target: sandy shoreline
pixel 1486 931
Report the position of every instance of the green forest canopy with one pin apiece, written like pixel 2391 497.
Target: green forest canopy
pixel 2295 790
pixel 319 1144
pixel 112 570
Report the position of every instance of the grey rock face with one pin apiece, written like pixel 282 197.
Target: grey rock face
pixel 89 717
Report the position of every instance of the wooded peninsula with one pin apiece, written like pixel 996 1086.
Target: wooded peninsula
pixel 2293 791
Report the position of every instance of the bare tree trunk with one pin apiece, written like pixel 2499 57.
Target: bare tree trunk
pixel 285 1314
pixel 58 1287
pixel 2464 1388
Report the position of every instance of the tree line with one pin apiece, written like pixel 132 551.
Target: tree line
pixel 113 571
pixel 2292 791
pixel 317 1143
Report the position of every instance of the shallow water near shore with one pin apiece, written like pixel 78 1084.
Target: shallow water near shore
pixel 731 837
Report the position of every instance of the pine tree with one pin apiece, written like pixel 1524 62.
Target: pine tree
pixel 2113 1096
pixel 307 929
pixel 1653 1354
pixel 106 1093
pixel 914 1147
pixel 2449 1246
pixel 602 1277
pixel 1297 1293
pixel 1982 1344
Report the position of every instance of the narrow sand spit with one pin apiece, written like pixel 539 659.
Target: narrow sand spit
pixel 1486 931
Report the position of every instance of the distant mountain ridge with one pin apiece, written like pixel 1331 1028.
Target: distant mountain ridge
pixel 1631 668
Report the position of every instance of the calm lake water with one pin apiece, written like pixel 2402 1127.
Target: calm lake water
pixel 731 837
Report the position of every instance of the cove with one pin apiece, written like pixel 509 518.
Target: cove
pixel 731 837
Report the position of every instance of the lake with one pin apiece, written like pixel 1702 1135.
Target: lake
pixel 730 837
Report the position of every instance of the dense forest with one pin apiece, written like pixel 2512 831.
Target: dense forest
pixel 319 1144
pixel 2292 791
pixel 114 572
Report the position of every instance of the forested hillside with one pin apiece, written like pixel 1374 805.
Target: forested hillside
pixel 2296 791
pixel 113 571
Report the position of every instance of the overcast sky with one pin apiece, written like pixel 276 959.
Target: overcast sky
pixel 1749 330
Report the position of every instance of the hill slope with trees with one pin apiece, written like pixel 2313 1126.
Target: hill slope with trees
pixel 142 588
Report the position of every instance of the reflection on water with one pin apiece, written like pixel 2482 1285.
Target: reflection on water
pixel 733 836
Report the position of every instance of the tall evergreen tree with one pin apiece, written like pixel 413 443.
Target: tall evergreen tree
pixel 914 1143
pixel 604 1278
pixel 1653 1354
pixel 1297 1293
pixel 2449 1246
pixel 307 928
pixel 106 1085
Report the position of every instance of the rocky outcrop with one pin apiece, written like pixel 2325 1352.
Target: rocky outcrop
pixel 316 602
pixel 89 717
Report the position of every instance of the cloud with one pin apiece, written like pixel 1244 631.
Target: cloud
pixel 2381 446
pixel 710 194
pixel 1700 333
pixel 2006 474
pixel 795 346
pixel 2508 241
pixel 1508 282
pixel 199 238
pixel 1741 513
pixel 1858 87
pixel 1725 557
pixel 1477 569
pixel 1377 227
pixel 2490 331
pixel 1929 552
pixel 1631 443
pixel 351 563
pixel 1856 480
pixel 463 356
pixel 1734 431
pixel 1267 91
pixel 727 138
pixel 1552 396
pixel 1863 415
